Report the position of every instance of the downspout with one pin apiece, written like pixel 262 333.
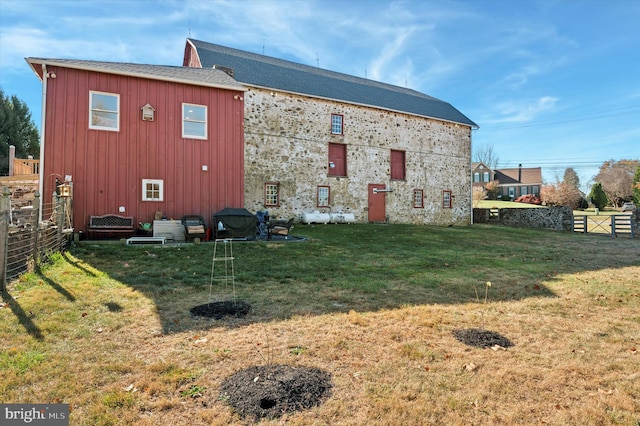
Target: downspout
pixel 471 172
pixel 45 77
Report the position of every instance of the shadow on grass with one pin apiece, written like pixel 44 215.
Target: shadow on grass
pixel 23 317
pixel 57 287
pixel 353 267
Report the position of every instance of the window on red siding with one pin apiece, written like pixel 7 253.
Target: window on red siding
pixel 152 190
pixel 337 159
pixel 397 165
pixel 194 121
pixel 104 111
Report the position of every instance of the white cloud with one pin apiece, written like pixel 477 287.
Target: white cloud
pixel 521 111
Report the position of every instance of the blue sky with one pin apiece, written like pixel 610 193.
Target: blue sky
pixel 551 83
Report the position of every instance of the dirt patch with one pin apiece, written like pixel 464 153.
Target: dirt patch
pixel 219 310
pixel 272 390
pixel 481 338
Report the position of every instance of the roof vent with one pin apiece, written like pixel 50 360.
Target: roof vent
pixel 229 71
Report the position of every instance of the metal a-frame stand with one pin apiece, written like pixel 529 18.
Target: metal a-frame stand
pixel 227 266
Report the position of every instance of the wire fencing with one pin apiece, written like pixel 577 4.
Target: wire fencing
pixel 29 236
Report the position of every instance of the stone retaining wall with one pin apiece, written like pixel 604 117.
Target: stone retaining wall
pixel 556 218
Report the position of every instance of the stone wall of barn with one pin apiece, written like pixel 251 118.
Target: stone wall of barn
pixel 286 142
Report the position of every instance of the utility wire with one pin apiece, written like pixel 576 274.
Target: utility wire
pixel 635 109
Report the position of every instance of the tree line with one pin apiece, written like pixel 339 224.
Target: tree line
pixel 617 182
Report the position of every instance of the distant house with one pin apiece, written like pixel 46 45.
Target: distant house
pixel 512 182
pixel 321 140
pixel 135 139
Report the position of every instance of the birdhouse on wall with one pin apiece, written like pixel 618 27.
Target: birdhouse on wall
pixel 148 113
pixel 65 190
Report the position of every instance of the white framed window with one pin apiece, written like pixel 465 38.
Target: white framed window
pixel 337 124
pixel 512 192
pixel 418 198
pixel 152 190
pixel 323 196
pixel 272 194
pixel 486 176
pixel 194 121
pixel 104 111
pixel 446 199
pixel 476 177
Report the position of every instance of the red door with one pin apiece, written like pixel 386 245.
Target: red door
pixel 376 203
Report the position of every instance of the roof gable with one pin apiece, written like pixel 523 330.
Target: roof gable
pixel 268 72
pixel 475 166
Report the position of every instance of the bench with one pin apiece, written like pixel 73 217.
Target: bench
pixel 279 227
pixel 111 224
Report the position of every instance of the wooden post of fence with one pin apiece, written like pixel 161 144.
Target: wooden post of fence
pixel 60 215
pixel 36 227
pixel 613 225
pixel 5 217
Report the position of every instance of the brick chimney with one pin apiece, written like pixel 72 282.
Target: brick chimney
pixel 519 173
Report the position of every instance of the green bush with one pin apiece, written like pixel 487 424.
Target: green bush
pixel 598 197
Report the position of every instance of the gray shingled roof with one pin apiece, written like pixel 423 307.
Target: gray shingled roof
pixel 196 76
pixel 267 72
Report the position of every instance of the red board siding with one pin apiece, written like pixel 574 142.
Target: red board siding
pixel 107 167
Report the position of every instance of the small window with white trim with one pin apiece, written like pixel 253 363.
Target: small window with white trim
pixel 323 196
pixel 194 121
pixel 336 124
pixel 152 190
pixel 418 198
pixel 104 111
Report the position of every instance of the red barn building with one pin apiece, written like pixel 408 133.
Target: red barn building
pixel 135 139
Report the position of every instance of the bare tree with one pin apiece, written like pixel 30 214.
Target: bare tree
pixel 571 178
pixel 486 155
pixel 562 194
pixel 616 178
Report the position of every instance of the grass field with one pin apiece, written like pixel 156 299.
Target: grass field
pixel 107 329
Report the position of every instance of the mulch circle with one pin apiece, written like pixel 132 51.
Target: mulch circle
pixel 481 338
pixel 219 310
pixel 269 391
